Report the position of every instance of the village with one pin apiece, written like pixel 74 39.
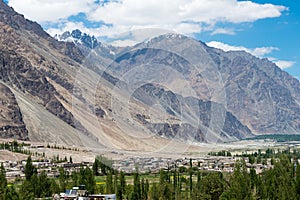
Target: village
pixel 82 173
pixel 15 168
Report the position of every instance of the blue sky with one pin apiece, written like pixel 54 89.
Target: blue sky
pixel 265 28
pixel 282 32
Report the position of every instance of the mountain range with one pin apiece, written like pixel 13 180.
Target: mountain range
pixel 73 89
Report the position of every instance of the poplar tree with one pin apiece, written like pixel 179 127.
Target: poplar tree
pixel 122 182
pixel 109 182
pixel 62 179
pixel 3 181
pixel 136 186
pixel 29 168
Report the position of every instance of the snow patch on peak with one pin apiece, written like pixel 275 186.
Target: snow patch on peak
pixel 174 36
pixel 77 37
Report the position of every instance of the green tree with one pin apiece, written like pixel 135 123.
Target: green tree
pixel 191 177
pixel 213 185
pixel 74 179
pixel 54 187
pixel 175 178
pixel 96 167
pixel 11 194
pixel 162 177
pixel 129 191
pixel 272 161
pixel 104 164
pixel 29 168
pixel 109 183
pixel 136 186
pixel 167 192
pixel 264 161
pixel 3 181
pixel 26 191
pixel 154 192
pixel 122 182
pixel 34 181
pixel 297 181
pixel 147 186
pixel 251 159
pixel 253 178
pixel 62 179
pixel 119 192
pixel 239 186
pixel 87 178
pixel 115 184
pixel 261 192
pixel 279 181
pixel 143 190
pixel 258 160
pixel 43 186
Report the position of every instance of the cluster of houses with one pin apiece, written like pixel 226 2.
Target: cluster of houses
pixel 209 163
pixel 15 169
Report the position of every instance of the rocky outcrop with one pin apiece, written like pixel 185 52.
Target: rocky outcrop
pixel 183 131
pixel 190 128
pixel 77 37
pixel 11 121
pixel 259 93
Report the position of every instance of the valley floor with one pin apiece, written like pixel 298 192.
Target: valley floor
pixel 86 154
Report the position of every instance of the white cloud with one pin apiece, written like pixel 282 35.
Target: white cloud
pixel 283 64
pixel 51 10
pixel 259 52
pixel 262 51
pixel 182 16
pixel 123 43
pixel 223 31
pixel 187 17
pixel 131 38
pixel 175 11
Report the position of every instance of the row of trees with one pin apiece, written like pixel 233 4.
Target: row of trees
pixel 260 157
pixel 15 147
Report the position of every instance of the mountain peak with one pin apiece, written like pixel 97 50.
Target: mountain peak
pixel 174 36
pixel 169 36
pixel 78 37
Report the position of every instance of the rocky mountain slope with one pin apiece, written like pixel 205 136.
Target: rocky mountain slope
pixel 27 55
pixel 102 60
pixel 11 121
pixel 256 91
pixel 195 116
pixel 168 91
